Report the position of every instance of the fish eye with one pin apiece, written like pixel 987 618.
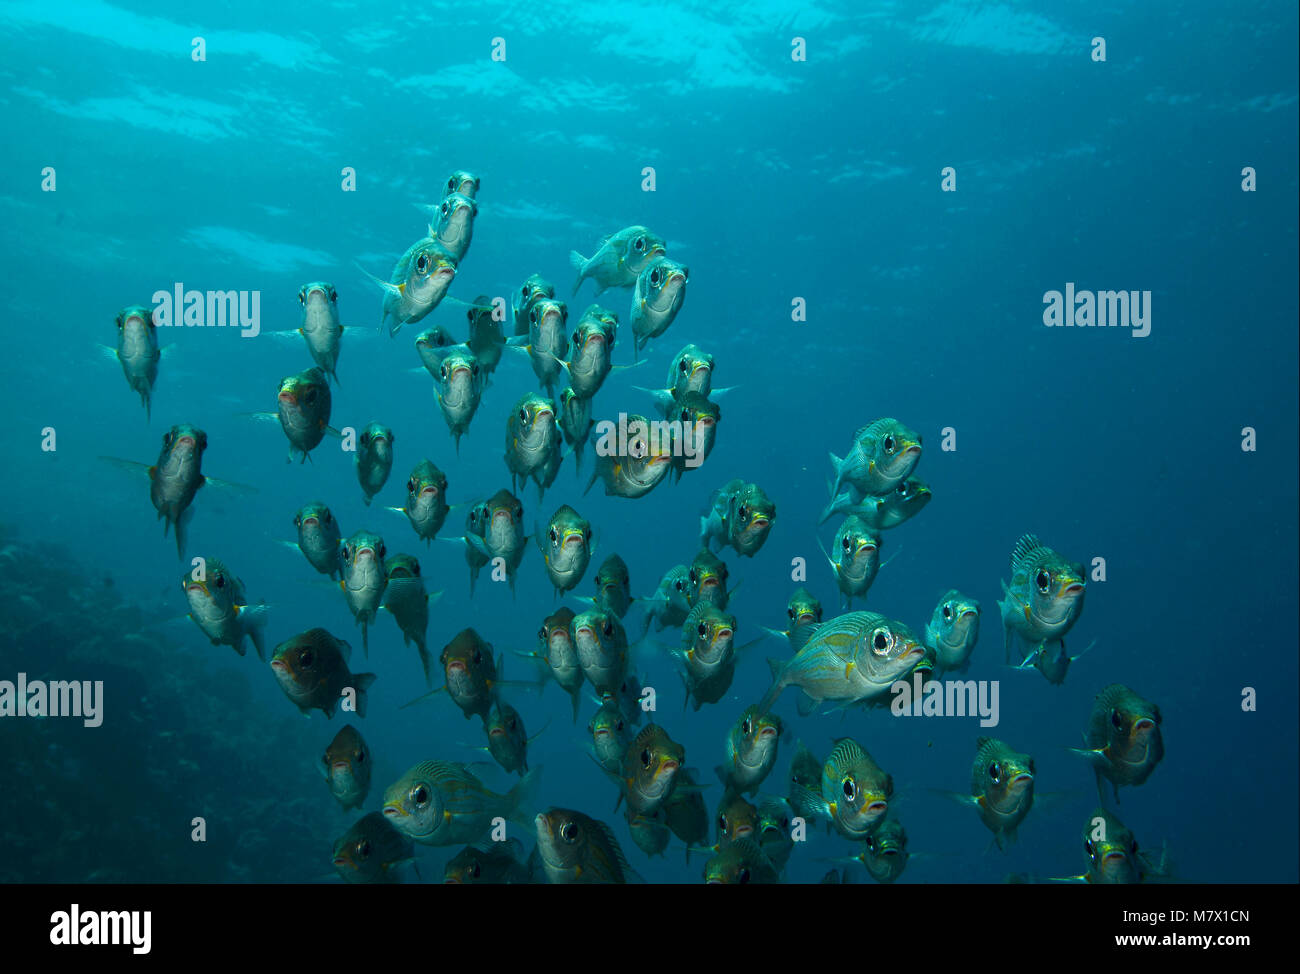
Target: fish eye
pixel 678 585
pixel 694 578
pixel 1116 720
pixel 382 550
pixel 444 371
pixel 686 415
pixel 1043 580
pixel 645 758
pixel 474 871
pixel 478 656
pixel 618 725
pixel 302 299
pixel 682 365
pixel 850 788
pixel 1088 848
pixel 639 244
pixel 422 263
pixel 473 369
pixel 167 439
pixel 747 727
pixel 532 316
pixel 451 184
pixel 420 795
pixel 889 444
pixel 445 208
pixel 722 821
pixel 654 277
pixel 742 877
pixel 305 658
pixel 995 772
pixel 554 536
pixel 871 843
pixel 947 611
pixel 363 848
pixel 881 641
pixel 576 339
pixel 311 397
pixel 846 544
pixel 790 612
pixel 703 629
pixel 334 295
pixel 221 581
pixel 744 512
pixel 327 517
pixel 569 832
pixel 410 486
pixel 523 415
pixel 361 757
pixel 365 438
pixel 609 628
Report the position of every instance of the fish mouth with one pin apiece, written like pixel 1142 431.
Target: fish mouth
pixel 889 852
pixel 667 766
pixel 722 634
pixel 585 631
pixel 759 523
pixel 1071 589
pixel 392 811
pixel 200 587
pixel 497 732
pixel 430 489
pixel 659 459
pixel 706 421
pixel 708 583
pixel 185 441
pixel 311 522
pixel 502 517
pixel 316 290
pixel 572 538
pixel 339 766
pixel 865 547
pixel 1020 782
pixel 805 618
pixel 968 614
pixel 1114 858
pixel 595 338
pixel 456 666
pixel 451 882
pixel 340 862
pixel 767 732
pixel 288 398
pixel 876 809
pixel 1143 726
pixel 460 370
pixel 601 732
pixel 279 665
pixel 744 831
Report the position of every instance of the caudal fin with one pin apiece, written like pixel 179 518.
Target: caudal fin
pixel 579 264
pixel 362 681
pixel 253 619
pixel 521 797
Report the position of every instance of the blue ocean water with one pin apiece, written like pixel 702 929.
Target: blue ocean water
pixel 775 179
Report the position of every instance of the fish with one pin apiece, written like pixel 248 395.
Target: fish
pixel 699 420
pixel 548 341
pixel 464 182
pixel 320 326
pixel 452 223
pixel 575 423
pixel 685 811
pixel 601 642
pixel 856 560
pixel 319 537
pixel 534 289
pixel 775 821
pixel 657 298
pixel 566 548
pixel 609 739
pixel 690 371
pixel 625 699
pixel 619 260
pixel 852 659
pixel 1002 788
pixel 854 793
pixel 374 460
pixel 805 614
pixel 1123 742
pixel 137 351
pixel 803 785
pixel 433 345
pixel 175 478
pixel 883 455
pixel 884 851
pixel 371 851
pixel 364 579
pixel 707 654
pixel 459 391
pixel 470 668
pixel 1050 659
pixel 507 739
pixel 419 281
pixel 575 848
pixel 220 608
pixel 614 586
pixel 670 605
pixel 406 598
pixel 953 630
pixel 1045 597
pixel 532 442
pixel 650 832
pixel 486 339
pixel 476 552
pixel 488 863
pixel 502 536
pixel 888 510
pixel 346 767
pixel 556 650
pixel 1113 855
pixel 649 765
pixel 736 819
pixel 706 580
pixel 312 670
pixel 740 863
pixel 636 471
pixel 426 500
pixel 303 405
pixel 441 803
pixel 751 751
pixel 592 343
pixel 739 515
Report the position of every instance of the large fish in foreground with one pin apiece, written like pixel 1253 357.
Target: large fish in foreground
pixel 459 390
pixel 751 751
pixel 953 630
pixel 303 408
pixel 575 848
pixel 657 297
pixel 318 538
pixel 566 547
pixel 419 281
pixel 1045 596
pixel 883 455
pixel 442 803
pixel 852 659
pixel 739 515
pixel 346 767
pixel 372 851
pixel 408 600
pixel 374 460
pixel 854 794
pixel 320 326
pixel 1113 855
pixel 426 500
pixel 533 442
pixel 312 670
pixel 483 863
pixel 636 468
pixel 1001 788
pixel 220 608
pixel 498 533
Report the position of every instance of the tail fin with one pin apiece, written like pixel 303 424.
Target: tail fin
pixel 522 796
pixel 253 619
pixel 363 682
pixel 579 264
